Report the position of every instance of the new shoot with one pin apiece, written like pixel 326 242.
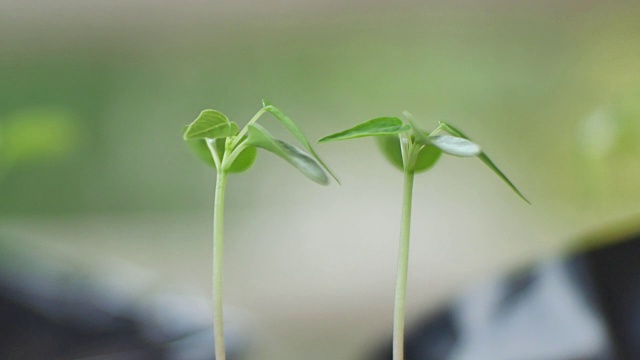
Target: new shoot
pixel 221 144
pixel 413 151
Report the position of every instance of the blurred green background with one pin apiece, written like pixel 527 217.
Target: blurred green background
pixel 93 96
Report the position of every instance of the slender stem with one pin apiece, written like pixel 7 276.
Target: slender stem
pixel 218 232
pixel 403 266
pixel 405 148
pixel 244 130
pixel 214 153
pixel 436 130
pixel 229 159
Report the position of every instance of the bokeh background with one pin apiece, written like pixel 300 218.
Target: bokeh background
pixel 94 173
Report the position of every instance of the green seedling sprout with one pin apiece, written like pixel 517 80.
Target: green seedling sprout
pixel 413 151
pixel 222 145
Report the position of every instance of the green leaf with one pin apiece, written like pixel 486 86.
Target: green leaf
pixel 485 159
pixel 375 127
pixel 427 157
pixel 210 124
pixel 200 148
pixel 390 147
pixel 243 162
pixel 233 129
pixel 297 133
pixel 260 137
pixel 454 145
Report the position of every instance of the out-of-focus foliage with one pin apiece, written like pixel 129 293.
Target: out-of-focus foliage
pixel 35 135
pixel 520 76
pixel 608 150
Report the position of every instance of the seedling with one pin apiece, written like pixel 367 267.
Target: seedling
pixel 413 151
pixel 221 144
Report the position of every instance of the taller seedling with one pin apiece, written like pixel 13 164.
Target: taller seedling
pixel 221 144
pixel 413 151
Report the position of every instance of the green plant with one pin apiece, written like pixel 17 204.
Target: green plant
pixel 413 151
pixel 222 145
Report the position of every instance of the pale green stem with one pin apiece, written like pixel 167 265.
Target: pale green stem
pixel 403 267
pixel 244 130
pixel 434 132
pixel 229 159
pixel 212 148
pixel 218 232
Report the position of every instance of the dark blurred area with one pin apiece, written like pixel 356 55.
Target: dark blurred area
pixel 585 305
pixel 94 173
pixel 50 309
pixel 582 306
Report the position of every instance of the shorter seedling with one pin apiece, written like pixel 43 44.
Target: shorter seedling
pixel 221 144
pixel 413 151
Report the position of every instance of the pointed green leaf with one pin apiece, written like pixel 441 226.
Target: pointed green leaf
pixel 260 137
pixel 454 145
pixel 210 124
pixel 485 159
pixel 297 133
pixel 375 127
pixel 390 147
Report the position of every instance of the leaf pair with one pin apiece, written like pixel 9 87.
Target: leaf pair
pixel 382 126
pixel 424 149
pixel 387 131
pixel 216 129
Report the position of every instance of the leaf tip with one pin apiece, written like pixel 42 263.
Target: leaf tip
pixel 524 198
